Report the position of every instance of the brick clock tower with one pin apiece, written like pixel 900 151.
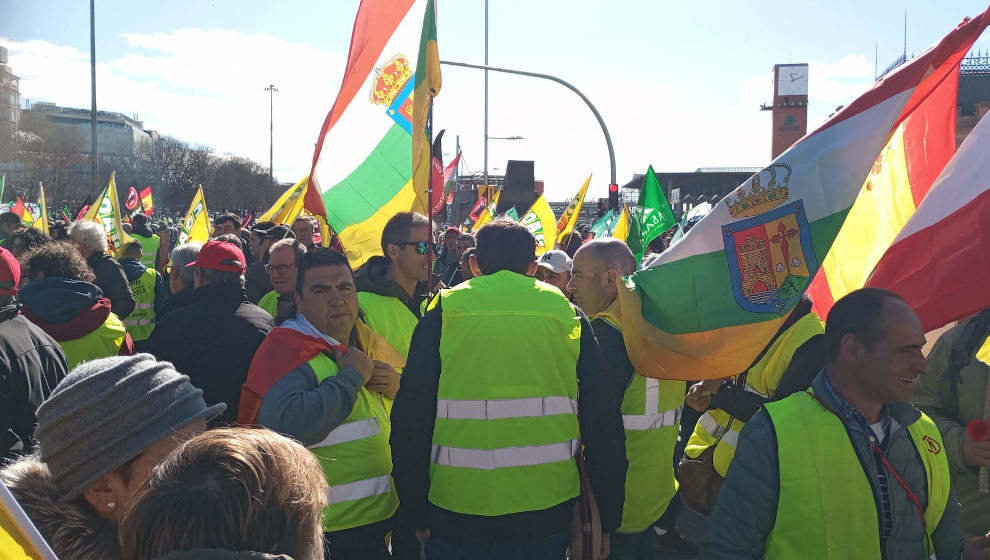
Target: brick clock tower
pixel 790 106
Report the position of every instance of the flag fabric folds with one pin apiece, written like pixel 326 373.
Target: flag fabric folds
pixel 623 225
pixel 604 226
pixel 288 206
pixel 427 86
pixel 707 306
pixel 488 214
pixel 568 220
pixel 106 212
pixel 363 162
pixel 196 224
pixel 437 198
pixel 940 260
pixel 896 184
pixel 540 222
pixel 147 203
pixel 652 215
pixel 19 538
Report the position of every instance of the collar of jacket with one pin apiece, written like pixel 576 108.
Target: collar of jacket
pixel 71 528
pixel 142 230
pixel 219 293
pixel 132 268
pixel 65 309
pixel 372 278
pixel 905 413
pixel 9 311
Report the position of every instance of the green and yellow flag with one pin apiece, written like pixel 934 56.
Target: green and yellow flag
pixel 106 212
pixel 427 86
pixel 196 225
pixel 288 206
pixel 488 214
pixel 540 222
pixel 568 220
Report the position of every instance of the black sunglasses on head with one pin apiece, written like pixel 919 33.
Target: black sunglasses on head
pixel 422 247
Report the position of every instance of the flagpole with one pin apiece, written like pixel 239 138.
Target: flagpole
pixel 429 197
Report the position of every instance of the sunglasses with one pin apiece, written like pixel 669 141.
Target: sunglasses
pixel 422 247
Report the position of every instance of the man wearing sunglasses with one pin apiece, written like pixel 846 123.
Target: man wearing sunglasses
pixel 391 288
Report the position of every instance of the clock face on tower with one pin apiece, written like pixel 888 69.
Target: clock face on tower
pixel 792 79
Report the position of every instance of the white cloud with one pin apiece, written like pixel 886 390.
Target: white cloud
pixel 207 87
pixel 203 86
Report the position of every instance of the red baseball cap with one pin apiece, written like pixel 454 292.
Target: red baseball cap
pixel 220 255
pixel 453 230
pixel 10 273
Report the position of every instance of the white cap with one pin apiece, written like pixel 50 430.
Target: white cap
pixel 555 260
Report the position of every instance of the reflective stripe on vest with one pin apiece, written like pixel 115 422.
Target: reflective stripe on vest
pixel 505 408
pixel 652 419
pixel 141 321
pixel 360 489
pixel 356 460
pixel 102 342
pixel 138 322
pixel 506 429
pixel 350 431
pixel 824 491
pixel 490 459
pixel 714 429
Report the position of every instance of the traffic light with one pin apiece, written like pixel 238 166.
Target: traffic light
pixel 613 196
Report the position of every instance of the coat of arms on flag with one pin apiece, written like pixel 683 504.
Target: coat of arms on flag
pixel 394 89
pixel 770 255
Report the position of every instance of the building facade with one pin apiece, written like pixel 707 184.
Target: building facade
pixel 10 105
pixel 116 133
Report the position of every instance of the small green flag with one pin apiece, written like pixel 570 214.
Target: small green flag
pixel 604 226
pixel 652 214
pixel 512 214
pixel 2 179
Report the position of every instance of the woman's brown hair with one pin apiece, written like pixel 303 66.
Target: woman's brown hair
pixel 231 488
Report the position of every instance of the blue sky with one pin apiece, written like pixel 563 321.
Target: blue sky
pixel 678 84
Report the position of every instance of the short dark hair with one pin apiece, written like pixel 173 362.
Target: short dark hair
pixel 9 219
pixel 132 250
pixel 297 248
pixel 139 219
pixel 859 313
pixel 28 239
pixel 231 238
pixel 398 227
pixel 56 259
pixel 229 217
pixel 504 245
pixel 315 258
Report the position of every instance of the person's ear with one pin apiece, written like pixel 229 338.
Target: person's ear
pixel 107 495
pixel 393 251
pixel 531 269
pixel 850 347
pixel 611 275
pixel 475 269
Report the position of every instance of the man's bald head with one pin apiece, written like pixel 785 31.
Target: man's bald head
pixel 598 268
pixel 611 253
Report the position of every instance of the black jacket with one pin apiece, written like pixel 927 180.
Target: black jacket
pixel 31 364
pixel 371 277
pixel 414 415
pixel 257 282
pixel 175 302
pixel 212 340
pixel 111 279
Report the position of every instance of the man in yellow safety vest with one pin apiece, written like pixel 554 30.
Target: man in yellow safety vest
pixel 848 469
pixel 485 426
pixel 149 292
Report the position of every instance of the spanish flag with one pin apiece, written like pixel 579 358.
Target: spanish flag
pixel 363 162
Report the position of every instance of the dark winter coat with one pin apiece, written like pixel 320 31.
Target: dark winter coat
pixel 212 340
pixel 31 364
pixel 72 529
pixel 111 279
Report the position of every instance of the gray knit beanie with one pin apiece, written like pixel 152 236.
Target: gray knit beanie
pixel 107 412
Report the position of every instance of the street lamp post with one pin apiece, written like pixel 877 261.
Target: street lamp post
pixel 93 163
pixel 601 122
pixel 272 90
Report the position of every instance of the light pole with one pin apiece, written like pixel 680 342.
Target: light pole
pixel 601 123
pixel 505 137
pixel 93 165
pixel 272 90
pixel 486 92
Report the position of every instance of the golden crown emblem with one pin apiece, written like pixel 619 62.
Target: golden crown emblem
pixel 759 199
pixel 391 77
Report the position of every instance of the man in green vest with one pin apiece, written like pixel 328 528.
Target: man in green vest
pixel 651 408
pixel 321 378
pixel 150 242
pixel 486 427
pixel 848 469
pixel 283 260
pixel 149 292
pixel 391 288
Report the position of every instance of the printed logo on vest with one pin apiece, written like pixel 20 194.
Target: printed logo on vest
pixel 934 447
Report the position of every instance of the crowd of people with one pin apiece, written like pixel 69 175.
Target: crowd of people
pixel 255 397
